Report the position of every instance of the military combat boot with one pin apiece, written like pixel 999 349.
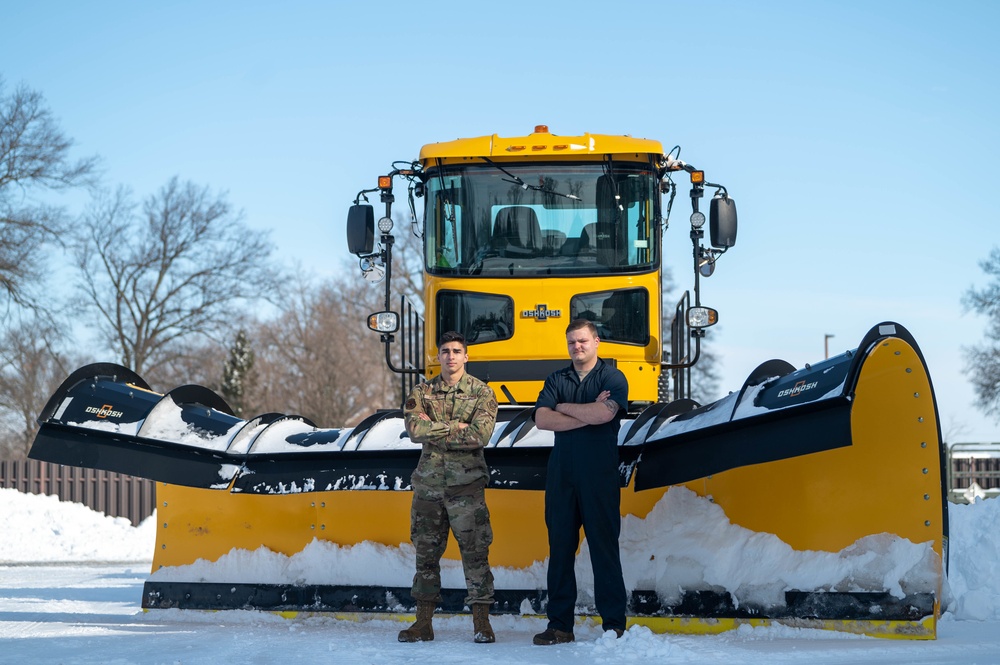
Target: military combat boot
pixel 482 630
pixel 421 630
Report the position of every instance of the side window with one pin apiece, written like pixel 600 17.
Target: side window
pixel 639 215
pixel 620 316
pixel 448 250
pixel 444 235
pixel 480 317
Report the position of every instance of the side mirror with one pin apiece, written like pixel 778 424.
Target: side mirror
pixel 361 229
pixel 722 222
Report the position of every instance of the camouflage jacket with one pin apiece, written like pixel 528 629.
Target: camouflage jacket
pixel 451 456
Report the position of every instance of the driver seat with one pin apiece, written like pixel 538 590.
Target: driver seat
pixel 516 233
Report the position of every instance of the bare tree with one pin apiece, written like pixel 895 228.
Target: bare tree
pixel 184 268
pixel 317 358
pixel 408 263
pixel 196 360
pixel 705 375
pixel 31 370
pixel 983 360
pixel 34 158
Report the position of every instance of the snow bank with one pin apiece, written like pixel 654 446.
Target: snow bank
pixel 44 529
pixel 974 561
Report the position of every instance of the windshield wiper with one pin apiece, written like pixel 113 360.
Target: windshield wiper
pixel 514 180
pixel 449 207
pixel 609 171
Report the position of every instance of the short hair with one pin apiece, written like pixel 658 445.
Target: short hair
pixel 577 324
pixel 453 336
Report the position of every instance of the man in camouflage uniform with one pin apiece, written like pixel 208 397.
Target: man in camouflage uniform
pixel 453 416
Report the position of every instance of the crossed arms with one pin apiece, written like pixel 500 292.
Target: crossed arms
pixel 453 434
pixel 569 416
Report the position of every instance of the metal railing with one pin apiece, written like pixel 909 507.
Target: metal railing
pixel 114 494
pixel 680 349
pixel 411 347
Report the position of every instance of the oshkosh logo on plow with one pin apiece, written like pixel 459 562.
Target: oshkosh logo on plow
pixel 106 411
pixel 798 389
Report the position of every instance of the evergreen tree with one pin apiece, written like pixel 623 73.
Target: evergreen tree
pixel 236 373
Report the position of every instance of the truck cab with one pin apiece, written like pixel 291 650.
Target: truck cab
pixel 523 235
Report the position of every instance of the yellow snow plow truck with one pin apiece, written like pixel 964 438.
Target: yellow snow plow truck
pixel 810 496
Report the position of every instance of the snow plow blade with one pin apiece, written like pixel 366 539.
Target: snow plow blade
pixel 104 416
pixel 840 461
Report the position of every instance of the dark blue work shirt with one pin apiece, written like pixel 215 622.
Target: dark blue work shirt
pixel 564 386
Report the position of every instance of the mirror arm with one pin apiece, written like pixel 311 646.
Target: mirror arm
pixel 387 339
pixel 725 192
pixel 361 195
pixel 697 334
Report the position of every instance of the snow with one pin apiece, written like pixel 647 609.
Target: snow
pixel 71 585
pixel 43 529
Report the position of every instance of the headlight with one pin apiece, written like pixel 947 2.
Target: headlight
pixel 702 317
pixel 384 322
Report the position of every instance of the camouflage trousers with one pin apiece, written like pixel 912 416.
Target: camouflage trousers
pixel 463 511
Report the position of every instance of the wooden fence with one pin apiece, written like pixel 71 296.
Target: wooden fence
pixel 114 494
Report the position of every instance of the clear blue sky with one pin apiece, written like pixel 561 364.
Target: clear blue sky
pixel 859 139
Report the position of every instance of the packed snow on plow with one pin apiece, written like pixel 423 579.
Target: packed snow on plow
pixel 811 496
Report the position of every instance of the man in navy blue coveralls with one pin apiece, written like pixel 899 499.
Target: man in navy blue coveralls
pixel 583 405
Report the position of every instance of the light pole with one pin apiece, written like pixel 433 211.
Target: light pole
pixel 826 345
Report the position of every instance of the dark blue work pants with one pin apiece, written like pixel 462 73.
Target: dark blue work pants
pixel 582 489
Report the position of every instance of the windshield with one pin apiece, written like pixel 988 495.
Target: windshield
pixel 501 219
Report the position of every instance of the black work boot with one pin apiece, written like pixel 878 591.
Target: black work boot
pixel 421 630
pixel 553 636
pixel 482 631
